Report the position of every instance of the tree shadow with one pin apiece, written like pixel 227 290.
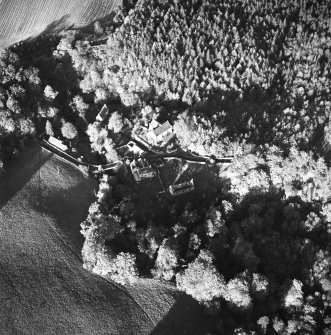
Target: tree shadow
pixel 69 207
pixel 266 233
pixel 40 40
pixel 105 21
pixel 20 172
pixel 265 115
pixel 57 25
pixel 185 317
pixel 239 112
pixel 272 228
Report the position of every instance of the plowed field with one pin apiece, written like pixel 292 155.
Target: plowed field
pixel 20 19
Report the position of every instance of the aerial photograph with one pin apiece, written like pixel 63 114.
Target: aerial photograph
pixel 165 167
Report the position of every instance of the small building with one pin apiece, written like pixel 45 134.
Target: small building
pixel 141 141
pixel 153 124
pixel 133 147
pixel 157 162
pixel 142 170
pixel 159 132
pixel 167 139
pixel 57 143
pixel 181 188
pixel 103 113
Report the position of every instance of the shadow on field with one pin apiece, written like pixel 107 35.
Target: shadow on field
pixel 66 207
pixel 57 25
pixel 19 173
pixel 51 28
pixel 185 317
pixel 104 21
pixel 64 23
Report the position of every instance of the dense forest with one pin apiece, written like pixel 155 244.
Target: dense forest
pixel 245 78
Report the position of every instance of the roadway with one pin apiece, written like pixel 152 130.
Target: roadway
pixel 189 157
pixel 179 153
pixel 91 167
pixel 149 155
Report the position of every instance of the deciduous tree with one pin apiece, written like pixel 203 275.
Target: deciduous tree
pixel 294 297
pixel 50 93
pixel 49 128
pixel 69 131
pixel 201 279
pixel 238 292
pixel 167 260
pixel 115 123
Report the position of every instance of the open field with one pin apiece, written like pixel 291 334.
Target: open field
pixel 43 287
pixel 171 311
pixel 22 19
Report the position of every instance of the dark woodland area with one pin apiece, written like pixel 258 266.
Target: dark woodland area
pixel 246 78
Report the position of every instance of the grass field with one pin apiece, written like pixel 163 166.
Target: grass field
pixel 20 19
pixel 43 287
pixel 171 311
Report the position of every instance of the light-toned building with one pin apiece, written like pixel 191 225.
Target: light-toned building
pixel 158 162
pixel 141 141
pixel 153 124
pixel 159 132
pixel 181 188
pixel 57 143
pixel 103 113
pixel 133 147
pixel 142 170
pixel 167 139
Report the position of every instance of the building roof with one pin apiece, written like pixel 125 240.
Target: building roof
pixel 136 176
pixel 182 186
pixel 162 128
pixel 134 147
pixel 153 124
pixel 157 162
pixel 103 112
pixel 139 164
pixel 168 138
pixel 55 141
pixel 141 140
pixel 145 170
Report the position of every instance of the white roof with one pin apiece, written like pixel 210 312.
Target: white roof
pixel 58 143
pixel 153 124
pixel 103 112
